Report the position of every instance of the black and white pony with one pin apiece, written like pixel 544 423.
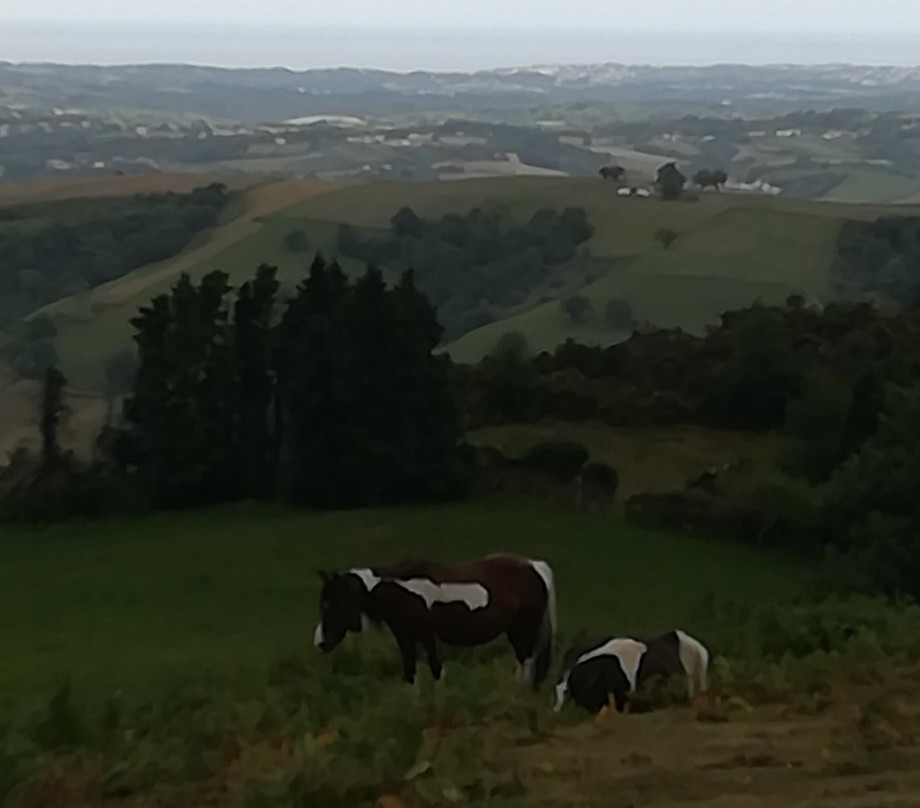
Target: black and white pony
pixel 593 672
pixel 467 605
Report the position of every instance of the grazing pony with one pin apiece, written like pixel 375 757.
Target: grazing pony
pixel 464 605
pixel 592 672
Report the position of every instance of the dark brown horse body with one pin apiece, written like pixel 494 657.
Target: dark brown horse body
pixel 470 604
pixel 617 667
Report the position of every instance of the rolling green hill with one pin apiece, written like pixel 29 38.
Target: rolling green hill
pixel 730 251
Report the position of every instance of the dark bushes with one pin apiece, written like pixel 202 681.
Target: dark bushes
pixel 599 481
pixel 561 460
pixel 30 492
pixel 555 471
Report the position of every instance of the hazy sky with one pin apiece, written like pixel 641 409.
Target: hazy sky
pixel 460 34
pixel 791 15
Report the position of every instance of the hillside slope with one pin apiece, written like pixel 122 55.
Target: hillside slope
pixel 94 325
pixel 730 251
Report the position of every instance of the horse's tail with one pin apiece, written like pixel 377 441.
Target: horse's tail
pixel 695 658
pixel 546 635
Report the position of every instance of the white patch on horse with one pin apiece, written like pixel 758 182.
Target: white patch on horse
pixel 368 578
pixel 545 571
pixel 695 659
pixel 629 652
pixel 474 596
pixel 318 636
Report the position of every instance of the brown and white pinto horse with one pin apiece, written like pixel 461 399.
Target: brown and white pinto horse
pixel 466 605
pixel 592 672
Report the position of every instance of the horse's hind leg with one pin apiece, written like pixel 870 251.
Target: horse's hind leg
pixel 407 652
pixel 434 660
pixel 522 635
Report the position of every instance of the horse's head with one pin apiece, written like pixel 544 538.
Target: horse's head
pixel 340 609
pixel 576 649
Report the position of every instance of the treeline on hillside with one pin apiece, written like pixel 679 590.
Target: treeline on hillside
pixel 880 259
pixel 334 399
pixel 471 267
pixel 50 253
pixel 741 375
pixel 842 385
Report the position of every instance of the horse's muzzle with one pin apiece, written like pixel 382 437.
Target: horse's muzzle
pixel 319 639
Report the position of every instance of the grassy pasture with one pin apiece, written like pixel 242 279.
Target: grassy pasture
pixel 686 301
pixel 188 639
pixel 877 185
pixel 133 603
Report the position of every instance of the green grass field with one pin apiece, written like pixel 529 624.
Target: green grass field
pixel 188 639
pixel 873 186
pixel 134 603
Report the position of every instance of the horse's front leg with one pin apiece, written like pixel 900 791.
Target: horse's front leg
pixel 407 651
pixel 434 659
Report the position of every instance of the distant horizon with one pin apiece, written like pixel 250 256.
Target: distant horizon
pixel 433 49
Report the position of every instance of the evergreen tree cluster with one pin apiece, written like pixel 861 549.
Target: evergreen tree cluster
pixel 473 266
pixel 334 399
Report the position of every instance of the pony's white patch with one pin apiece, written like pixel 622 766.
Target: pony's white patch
pixel 695 658
pixel 368 578
pixel 318 636
pixel 473 596
pixel 545 571
pixel 629 652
